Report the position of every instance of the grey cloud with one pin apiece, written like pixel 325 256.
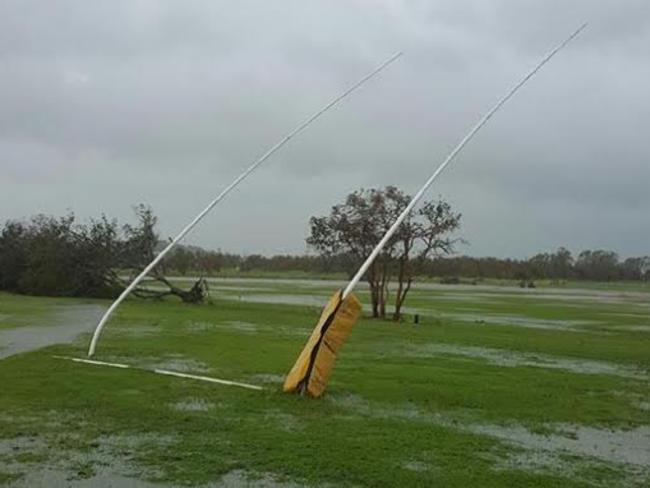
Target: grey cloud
pixel 109 104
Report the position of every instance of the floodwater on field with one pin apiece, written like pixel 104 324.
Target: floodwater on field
pixel 518 321
pixel 513 359
pixel 477 318
pixel 66 323
pixel 175 362
pixel 287 299
pixel 193 405
pixel 106 464
pixel 617 446
pixel 478 290
pixel 629 449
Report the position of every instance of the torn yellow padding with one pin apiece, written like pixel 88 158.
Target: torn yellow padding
pixel 313 367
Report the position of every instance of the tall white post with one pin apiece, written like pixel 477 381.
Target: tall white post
pixel 239 179
pixel 375 252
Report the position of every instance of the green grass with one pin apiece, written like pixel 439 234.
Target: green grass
pixel 393 414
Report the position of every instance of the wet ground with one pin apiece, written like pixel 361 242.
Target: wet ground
pixel 64 325
pixel 558 447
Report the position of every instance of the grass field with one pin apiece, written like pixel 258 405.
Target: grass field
pixel 495 387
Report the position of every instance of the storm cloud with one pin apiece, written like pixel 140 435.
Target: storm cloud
pixel 108 104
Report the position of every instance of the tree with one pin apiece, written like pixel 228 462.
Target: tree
pixel 12 255
pixel 60 257
pixel 561 264
pixel 598 265
pixel 139 250
pixel 353 228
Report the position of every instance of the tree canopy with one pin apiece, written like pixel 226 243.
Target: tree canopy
pixel 353 229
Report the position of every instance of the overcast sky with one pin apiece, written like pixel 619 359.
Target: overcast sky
pixel 107 104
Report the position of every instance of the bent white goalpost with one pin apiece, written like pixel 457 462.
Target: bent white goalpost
pixel 313 367
pixel 364 267
pixel 211 205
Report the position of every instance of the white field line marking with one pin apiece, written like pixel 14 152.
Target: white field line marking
pixel 207 378
pixel 92 361
pixel 164 372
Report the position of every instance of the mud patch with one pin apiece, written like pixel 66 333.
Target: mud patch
pixel 512 359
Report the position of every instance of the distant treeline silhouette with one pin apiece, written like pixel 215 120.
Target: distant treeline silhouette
pixel 58 256
pixel 596 265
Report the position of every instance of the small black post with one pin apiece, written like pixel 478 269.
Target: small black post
pixel 416 319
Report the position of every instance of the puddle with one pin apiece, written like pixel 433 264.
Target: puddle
pixel 242 326
pixel 470 297
pixel 590 471
pixel 266 378
pixel 512 359
pixel 20 444
pixel 105 477
pixel 233 325
pixel 193 405
pixel 106 464
pixel 241 479
pixel 621 447
pixel 416 466
pixel 617 446
pixel 242 289
pixel 286 299
pixel 519 321
pixel 284 421
pixel 65 325
pixel 175 363
pixel 136 330
pixel 631 328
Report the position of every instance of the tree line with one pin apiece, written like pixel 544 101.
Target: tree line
pixel 48 255
pixel 591 265
pixel 59 256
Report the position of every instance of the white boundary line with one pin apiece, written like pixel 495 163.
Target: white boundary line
pixel 92 361
pixel 163 372
pixel 207 378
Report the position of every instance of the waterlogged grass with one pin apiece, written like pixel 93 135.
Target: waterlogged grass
pixel 29 311
pixel 455 401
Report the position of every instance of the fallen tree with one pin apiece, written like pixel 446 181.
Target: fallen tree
pixel 53 256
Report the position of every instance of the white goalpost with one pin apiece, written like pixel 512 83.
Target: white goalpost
pixel 102 323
